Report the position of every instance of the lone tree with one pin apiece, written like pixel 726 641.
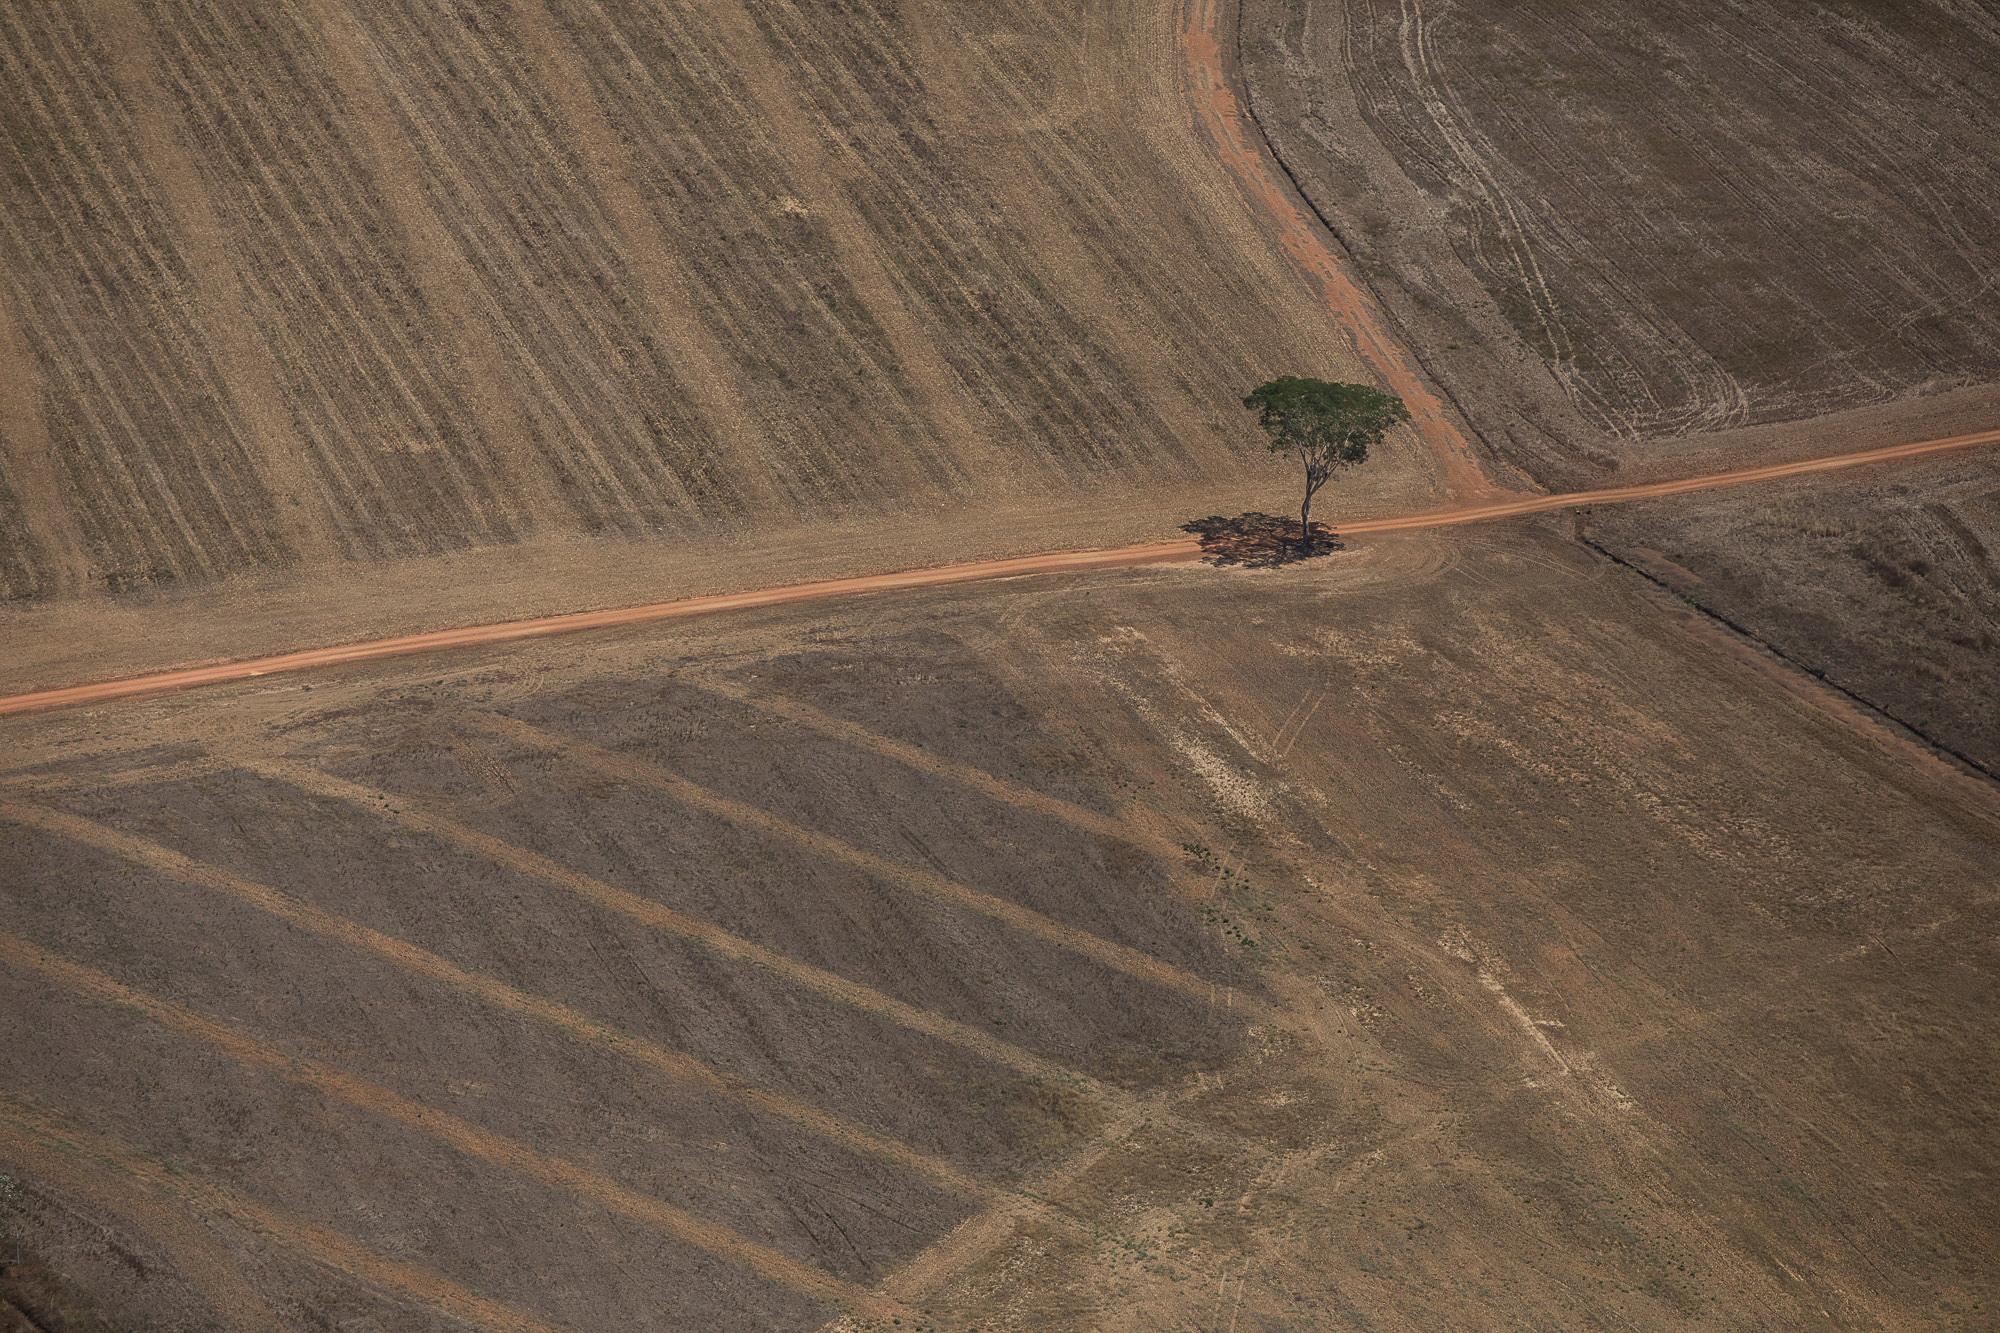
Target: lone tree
pixel 1329 426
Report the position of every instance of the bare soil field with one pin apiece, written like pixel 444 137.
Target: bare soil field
pixel 1605 225
pixel 320 284
pixel 1445 933
pixel 1885 584
pixel 1461 929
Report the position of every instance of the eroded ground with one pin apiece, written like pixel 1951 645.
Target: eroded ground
pixel 1445 933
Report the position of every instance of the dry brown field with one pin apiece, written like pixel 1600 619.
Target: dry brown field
pixel 1576 922
pixel 1453 934
pixel 1603 226
pixel 322 284
pixel 1885 585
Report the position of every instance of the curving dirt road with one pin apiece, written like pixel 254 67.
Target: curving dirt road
pixel 1240 146
pixel 1148 553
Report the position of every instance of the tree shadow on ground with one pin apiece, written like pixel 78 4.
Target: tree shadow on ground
pixel 1259 541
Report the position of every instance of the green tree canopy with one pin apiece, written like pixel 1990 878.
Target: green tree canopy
pixel 1328 426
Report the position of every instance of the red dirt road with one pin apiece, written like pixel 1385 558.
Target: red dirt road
pixel 1240 146
pixel 1149 553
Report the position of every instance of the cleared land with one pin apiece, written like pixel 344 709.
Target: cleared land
pixel 1442 936
pixel 1603 225
pixel 315 284
pixel 1888 586
pixel 1969 549
pixel 1459 931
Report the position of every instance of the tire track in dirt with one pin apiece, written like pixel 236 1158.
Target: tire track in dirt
pixel 1147 553
pixel 251 372
pixel 52 559
pixel 463 1136
pixel 35 1144
pixel 1118 957
pixel 561 1017
pixel 29 1129
pixel 1240 147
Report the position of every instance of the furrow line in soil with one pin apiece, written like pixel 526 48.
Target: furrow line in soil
pixel 47 1139
pixel 701 370
pixel 1121 958
pixel 560 1017
pixel 1090 821
pixel 32 1140
pixel 96 386
pixel 136 514
pixel 571 375
pixel 765 69
pixel 105 185
pixel 372 1099
pixel 266 439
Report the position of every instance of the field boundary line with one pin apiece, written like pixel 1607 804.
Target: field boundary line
pixel 930 1268
pixel 552 1172
pixel 977 779
pixel 401 810
pixel 561 1017
pixel 26 1125
pixel 1053 562
pixel 1118 957
pixel 36 1144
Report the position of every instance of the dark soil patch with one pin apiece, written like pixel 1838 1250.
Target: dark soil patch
pixel 34 1298
pixel 1259 541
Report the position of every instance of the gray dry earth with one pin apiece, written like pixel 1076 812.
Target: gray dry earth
pixel 1884 582
pixel 1607 225
pixel 1587 968
pixel 1635 241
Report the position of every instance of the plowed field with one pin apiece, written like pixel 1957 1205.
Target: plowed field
pixel 1608 224
pixel 313 283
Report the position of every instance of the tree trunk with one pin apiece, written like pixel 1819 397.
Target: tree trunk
pixel 1305 524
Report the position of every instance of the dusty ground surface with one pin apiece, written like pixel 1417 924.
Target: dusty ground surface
pixel 329 283
pixel 1603 225
pixel 1885 582
pixel 1453 930
pixel 1443 932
